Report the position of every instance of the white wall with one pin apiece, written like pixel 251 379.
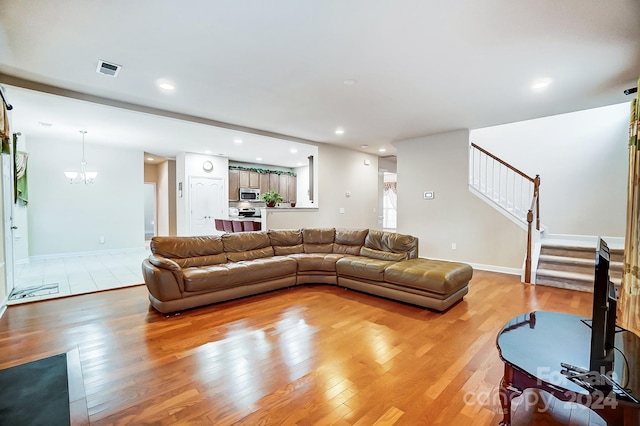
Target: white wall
pixel 581 158
pixel 338 170
pixel 439 163
pixel 65 218
pixel 302 187
pixel 190 165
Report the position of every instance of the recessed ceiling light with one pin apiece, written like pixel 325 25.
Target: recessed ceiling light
pixel 43 124
pixel 349 82
pixel 293 150
pixel 166 85
pixel 258 158
pixel 364 146
pixel 300 164
pixel 238 141
pixel 150 158
pixel 382 150
pixel 541 83
pixel 339 131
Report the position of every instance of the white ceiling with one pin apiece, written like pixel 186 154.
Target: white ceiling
pixel 161 137
pixel 420 66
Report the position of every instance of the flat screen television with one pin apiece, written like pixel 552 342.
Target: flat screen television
pixel 603 324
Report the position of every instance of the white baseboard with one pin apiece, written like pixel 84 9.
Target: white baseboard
pixel 84 253
pixel 494 268
pixel 482 267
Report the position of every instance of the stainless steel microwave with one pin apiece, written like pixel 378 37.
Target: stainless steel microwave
pixel 249 194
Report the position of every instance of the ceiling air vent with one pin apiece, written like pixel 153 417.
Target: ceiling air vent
pixel 106 68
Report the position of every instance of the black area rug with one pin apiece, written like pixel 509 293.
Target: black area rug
pixel 36 393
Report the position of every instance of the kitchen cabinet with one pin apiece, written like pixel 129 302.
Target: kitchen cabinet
pixel 292 188
pixel 274 182
pixel 249 179
pixel 254 180
pixel 234 185
pixel 284 188
pixel 264 182
pixel 284 184
pixel 244 178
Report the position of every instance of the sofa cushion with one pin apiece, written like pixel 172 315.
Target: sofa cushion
pixel 438 276
pixel 247 246
pixel 382 255
pixel 318 240
pixel 190 251
pixel 392 242
pixel 362 267
pixel 349 241
pixel 286 241
pixel 235 274
pixel 325 262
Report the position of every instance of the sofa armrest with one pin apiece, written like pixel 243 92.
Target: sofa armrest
pixel 163 283
pixel 164 263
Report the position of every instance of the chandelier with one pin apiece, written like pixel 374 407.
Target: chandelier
pixel 84 176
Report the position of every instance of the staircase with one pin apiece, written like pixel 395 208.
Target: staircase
pixel 570 264
pixel 511 192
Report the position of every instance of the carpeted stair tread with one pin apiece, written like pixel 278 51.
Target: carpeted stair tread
pixel 569 251
pixel 570 264
pixel 564 259
pixel 564 275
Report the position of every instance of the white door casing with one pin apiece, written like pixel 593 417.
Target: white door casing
pixel 7 202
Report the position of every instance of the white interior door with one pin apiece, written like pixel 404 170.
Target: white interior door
pixel 7 202
pixel 206 204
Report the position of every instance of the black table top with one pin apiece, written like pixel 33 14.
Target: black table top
pixel 538 342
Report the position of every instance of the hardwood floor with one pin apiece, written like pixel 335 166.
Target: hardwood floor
pixel 306 355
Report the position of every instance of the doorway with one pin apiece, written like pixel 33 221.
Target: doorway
pixel 150 221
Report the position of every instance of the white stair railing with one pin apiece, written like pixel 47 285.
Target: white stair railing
pixel 511 190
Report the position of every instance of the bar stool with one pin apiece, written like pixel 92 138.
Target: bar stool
pixel 251 226
pixel 227 226
pixel 237 225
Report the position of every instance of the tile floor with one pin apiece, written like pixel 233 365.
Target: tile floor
pixel 80 274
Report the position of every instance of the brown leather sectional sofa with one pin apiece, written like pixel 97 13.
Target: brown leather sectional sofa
pixel 186 272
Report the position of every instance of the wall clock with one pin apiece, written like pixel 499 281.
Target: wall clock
pixel 207 166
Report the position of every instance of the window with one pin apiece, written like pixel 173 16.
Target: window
pixel 390 202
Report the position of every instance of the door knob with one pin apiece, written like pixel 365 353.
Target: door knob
pixel 14 227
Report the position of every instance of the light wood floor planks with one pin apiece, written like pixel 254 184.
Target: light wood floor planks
pixel 309 355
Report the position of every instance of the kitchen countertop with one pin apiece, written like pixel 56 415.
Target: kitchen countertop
pixel 246 218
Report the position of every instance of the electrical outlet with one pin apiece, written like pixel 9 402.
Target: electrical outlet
pixel 341 210
pixel 453 246
pixel 101 239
